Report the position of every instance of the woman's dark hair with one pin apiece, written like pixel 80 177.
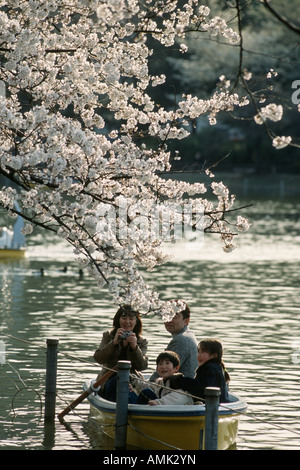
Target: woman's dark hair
pixel 171 356
pixel 127 310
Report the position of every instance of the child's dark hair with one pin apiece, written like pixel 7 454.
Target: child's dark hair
pixel 213 346
pixel 170 355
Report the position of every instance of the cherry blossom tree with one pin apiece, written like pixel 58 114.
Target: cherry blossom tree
pixel 84 146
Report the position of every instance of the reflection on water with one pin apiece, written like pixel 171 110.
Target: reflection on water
pixel 249 299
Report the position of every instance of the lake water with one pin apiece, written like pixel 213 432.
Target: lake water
pixel 249 299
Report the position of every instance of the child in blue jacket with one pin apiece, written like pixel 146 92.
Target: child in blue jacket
pixel 210 373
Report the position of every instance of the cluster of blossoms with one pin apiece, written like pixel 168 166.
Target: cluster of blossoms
pixel 274 113
pixel 217 26
pixel 279 142
pixel 76 124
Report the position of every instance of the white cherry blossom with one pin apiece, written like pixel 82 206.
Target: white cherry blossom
pixel 272 111
pixel 280 142
pixel 75 122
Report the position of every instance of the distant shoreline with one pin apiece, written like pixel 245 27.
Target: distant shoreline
pixel 242 184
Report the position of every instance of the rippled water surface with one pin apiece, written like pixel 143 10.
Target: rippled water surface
pixel 249 299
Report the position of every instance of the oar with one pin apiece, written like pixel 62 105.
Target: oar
pixel 85 394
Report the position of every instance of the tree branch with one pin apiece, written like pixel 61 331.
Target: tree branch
pixel 281 18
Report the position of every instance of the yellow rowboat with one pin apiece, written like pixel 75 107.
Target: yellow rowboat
pixel 9 253
pixel 12 241
pixel 167 427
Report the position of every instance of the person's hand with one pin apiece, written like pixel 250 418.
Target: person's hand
pixel 132 341
pixel 153 402
pixel 117 335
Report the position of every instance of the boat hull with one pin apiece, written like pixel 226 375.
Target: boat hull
pixel 165 427
pixel 6 253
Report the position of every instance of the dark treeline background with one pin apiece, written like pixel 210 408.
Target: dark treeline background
pixel 268 44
